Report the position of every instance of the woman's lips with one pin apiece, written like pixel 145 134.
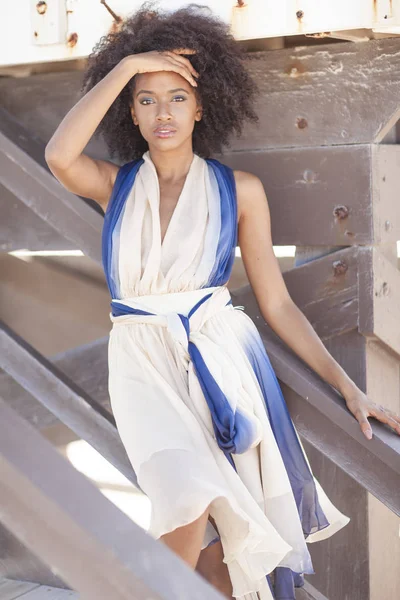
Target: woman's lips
pixel 164 132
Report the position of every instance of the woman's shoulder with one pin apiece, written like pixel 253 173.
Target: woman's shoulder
pixel 248 186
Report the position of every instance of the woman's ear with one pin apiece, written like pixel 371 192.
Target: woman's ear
pixel 198 114
pixel 134 119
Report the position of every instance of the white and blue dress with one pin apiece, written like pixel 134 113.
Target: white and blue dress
pixel 196 401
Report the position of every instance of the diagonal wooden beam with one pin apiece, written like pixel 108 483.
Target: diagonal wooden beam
pixel 65 520
pixel 60 394
pixel 42 193
pixel 86 365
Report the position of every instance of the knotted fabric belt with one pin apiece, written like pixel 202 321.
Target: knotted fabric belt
pixel 183 314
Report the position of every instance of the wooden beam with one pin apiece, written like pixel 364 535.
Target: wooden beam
pixel 379 298
pixel 320 95
pixel 74 364
pixel 311 205
pixel 324 95
pixel 60 394
pixel 64 519
pixel 20 228
pixel 43 194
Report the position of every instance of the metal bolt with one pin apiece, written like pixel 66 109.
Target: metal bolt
pixel 72 40
pixel 341 212
pixel 339 267
pixel 309 176
pixel 41 7
pixel 300 14
pixel 301 123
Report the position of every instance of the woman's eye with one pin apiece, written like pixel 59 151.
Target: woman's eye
pixel 179 98
pixel 146 101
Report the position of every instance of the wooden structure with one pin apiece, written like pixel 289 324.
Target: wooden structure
pixel 326 151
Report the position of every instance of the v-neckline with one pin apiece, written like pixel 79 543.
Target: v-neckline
pixel 162 241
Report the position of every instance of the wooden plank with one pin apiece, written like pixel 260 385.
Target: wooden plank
pixel 73 364
pixel 385 190
pixel 27 140
pixel 324 95
pixel 21 228
pixel 39 103
pixel 309 203
pixel 308 96
pixel 11 590
pixel 46 593
pixel 383 387
pixel 43 194
pixel 326 291
pixel 17 562
pixel 62 517
pixel 64 398
pixel 379 298
pixel 308 592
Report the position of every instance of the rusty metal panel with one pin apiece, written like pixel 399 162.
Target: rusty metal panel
pixel 50 30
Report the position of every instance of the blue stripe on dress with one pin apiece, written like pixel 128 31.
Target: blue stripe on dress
pixel 227 243
pixel 112 223
pixel 301 479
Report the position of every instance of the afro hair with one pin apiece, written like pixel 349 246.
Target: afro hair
pixel 225 88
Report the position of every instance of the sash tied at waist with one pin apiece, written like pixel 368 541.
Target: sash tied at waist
pixel 183 314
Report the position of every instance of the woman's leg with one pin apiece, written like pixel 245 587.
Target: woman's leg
pixel 186 541
pixel 211 566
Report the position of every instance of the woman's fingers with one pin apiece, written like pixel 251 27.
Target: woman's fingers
pixel 386 416
pixel 184 61
pixel 184 51
pixel 364 423
pixel 180 68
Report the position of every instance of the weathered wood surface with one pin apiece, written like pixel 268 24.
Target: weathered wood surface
pixel 44 195
pixel 328 196
pixel 64 398
pixel 325 95
pixel 12 590
pixel 86 366
pixel 20 227
pixel 309 95
pixel 40 102
pixel 64 519
pixel 303 188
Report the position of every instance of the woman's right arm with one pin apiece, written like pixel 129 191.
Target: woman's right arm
pixel 77 172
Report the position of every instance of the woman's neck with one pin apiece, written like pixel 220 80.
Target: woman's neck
pixel 171 166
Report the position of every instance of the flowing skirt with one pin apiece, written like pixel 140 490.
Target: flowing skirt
pixel 265 501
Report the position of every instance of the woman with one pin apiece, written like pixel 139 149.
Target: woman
pixel 195 398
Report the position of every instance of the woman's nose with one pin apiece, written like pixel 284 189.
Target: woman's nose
pixel 163 112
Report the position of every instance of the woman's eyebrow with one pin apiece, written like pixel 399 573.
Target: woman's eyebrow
pixel 169 91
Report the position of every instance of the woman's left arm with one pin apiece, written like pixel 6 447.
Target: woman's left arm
pixel 281 313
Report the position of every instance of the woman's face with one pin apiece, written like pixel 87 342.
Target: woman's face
pixel 165 108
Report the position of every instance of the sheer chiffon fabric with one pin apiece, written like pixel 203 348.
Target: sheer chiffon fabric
pixel 194 395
